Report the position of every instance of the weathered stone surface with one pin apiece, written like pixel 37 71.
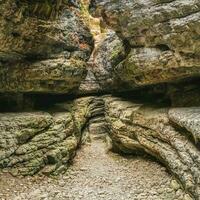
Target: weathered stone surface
pixel 90 117
pixel 101 76
pixel 47 76
pixel 90 84
pixel 33 142
pixel 43 46
pixel 106 56
pixel 28 30
pixel 81 111
pixel 117 67
pixel 163 38
pixel 150 23
pixel 136 128
pixel 146 66
pixel 188 118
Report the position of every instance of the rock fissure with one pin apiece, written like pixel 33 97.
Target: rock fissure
pixel 124 80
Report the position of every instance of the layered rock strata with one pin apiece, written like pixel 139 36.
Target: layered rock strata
pixel 90 116
pixel 162 38
pixel 149 23
pixel 44 142
pixel 33 142
pixel 138 128
pixel 161 51
pixel 101 75
pixel 44 46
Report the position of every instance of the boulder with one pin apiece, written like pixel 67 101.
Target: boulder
pixel 162 39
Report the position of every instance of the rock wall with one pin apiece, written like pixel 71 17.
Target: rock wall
pixel 150 57
pixel 161 36
pixel 31 142
pixel 44 46
pixel 139 128
pixel 44 142
pixel 156 67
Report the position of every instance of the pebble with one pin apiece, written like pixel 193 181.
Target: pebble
pixel 97 175
pixel 175 185
pixel 188 197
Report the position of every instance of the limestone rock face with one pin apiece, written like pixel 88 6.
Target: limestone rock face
pixel 45 142
pixel 101 76
pixel 120 68
pixel 107 55
pixel 187 118
pixel 147 66
pixel 163 38
pixel 154 22
pixel 137 128
pixel 31 142
pixel 44 46
pixel 48 76
pixel 90 117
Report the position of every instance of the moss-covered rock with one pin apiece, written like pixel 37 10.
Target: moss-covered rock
pixel 44 46
pixel 33 142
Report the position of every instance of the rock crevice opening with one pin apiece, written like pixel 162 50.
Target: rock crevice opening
pixel 137 85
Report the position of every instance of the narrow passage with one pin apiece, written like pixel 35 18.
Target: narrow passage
pixel 98 175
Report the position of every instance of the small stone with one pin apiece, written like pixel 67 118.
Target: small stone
pixel 188 197
pixel 117 179
pixel 83 169
pixel 101 192
pixel 175 185
pixel 62 183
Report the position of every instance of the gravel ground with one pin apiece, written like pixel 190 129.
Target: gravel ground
pixel 97 175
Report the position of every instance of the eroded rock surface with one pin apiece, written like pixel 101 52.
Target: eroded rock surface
pixel 48 76
pixel 162 37
pixel 149 23
pixel 152 55
pixel 106 56
pixel 31 142
pixel 137 128
pixel 44 46
pixel 187 118
pixel 45 142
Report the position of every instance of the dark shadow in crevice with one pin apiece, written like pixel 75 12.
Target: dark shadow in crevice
pixel 182 93
pixel 186 133
pixel 139 153
pixel 162 47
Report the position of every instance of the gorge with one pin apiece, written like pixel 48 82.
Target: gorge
pixel 115 82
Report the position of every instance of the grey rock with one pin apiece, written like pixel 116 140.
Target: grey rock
pixel 44 47
pixel 188 118
pixel 162 37
pixel 38 141
pixel 137 129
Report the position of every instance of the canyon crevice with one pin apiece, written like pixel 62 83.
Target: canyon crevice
pixel 123 72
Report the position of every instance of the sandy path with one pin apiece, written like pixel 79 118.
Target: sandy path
pixel 97 175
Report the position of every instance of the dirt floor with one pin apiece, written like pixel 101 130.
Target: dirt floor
pixel 97 175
